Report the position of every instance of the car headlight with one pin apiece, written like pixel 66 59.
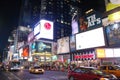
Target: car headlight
pixel 36 70
pixel 29 69
pixel 104 79
pixel 42 70
pixel 22 67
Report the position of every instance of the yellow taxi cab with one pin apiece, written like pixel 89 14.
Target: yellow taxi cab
pixel 36 69
pixel 112 69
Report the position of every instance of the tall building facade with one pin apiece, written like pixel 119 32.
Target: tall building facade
pixel 58 11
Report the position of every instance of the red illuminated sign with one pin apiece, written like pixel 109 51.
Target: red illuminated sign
pixel 25 52
pixel 84 56
pixel 47 26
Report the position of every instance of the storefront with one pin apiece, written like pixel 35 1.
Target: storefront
pixel 41 52
pixel 108 56
pixel 63 50
pixel 84 58
pixel 84 43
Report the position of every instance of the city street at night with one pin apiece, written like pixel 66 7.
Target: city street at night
pixel 59 40
pixel 25 75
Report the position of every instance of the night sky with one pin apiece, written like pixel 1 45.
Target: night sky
pixel 9 16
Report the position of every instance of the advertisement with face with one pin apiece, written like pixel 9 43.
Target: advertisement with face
pixel 90 20
pixel 63 45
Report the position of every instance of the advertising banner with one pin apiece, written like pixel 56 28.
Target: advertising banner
pixel 43 47
pixel 115 16
pixel 25 51
pixel 86 22
pixel 108 52
pixel 63 45
pixel 84 55
pixel 94 19
pixel 31 37
pixel 89 39
pixel 72 43
pixel 46 30
pixel 113 34
pixel 74 24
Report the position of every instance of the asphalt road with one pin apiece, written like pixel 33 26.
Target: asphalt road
pixel 3 76
pixel 25 75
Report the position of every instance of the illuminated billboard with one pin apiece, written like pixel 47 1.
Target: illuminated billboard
pixel 107 52
pixel 37 29
pixel 63 45
pixel 43 47
pixel 46 30
pixel 31 37
pixel 72 43
pixel 25 51
pixel 90 39
pixel 113 34
pixel 83 23
pixel 115 16
pixel 74 24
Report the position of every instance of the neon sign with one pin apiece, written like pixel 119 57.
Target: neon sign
pixel 84 56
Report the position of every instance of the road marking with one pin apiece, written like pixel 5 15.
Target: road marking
pixel 15 76
pixel 9 78
pixel 11 75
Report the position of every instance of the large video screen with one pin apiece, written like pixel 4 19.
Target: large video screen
pixel 108 52
pixel 63 45
pixel 25 51
pixel 90 39
pixel 113 34
pixel 37 29
pixel 43 47
pixel 74 24
pixel 72 43
pixel 116 52
pixel 46 30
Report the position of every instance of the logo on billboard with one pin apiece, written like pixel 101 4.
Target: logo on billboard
pixel 47 26
pixel 93 20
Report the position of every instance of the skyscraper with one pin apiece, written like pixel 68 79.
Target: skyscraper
pixel 58 11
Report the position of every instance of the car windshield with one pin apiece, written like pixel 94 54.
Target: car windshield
pixel 37 67
pixel 98 72
pixel 117 67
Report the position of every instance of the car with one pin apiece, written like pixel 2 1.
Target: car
pixel 36 69
pixel 113 69
pixel 88 73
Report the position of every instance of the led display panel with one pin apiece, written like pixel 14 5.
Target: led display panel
pixel 63 45
pixel 113 34
pixel 116 52
pixel 109 53
pixel 72 43
pixel 90 39
pixel 46 30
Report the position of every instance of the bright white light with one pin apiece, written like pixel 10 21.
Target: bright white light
pixel 116 52
pixel 46 30
pixel 63 45
pixel 109 52
pixel 90 39
pixel 36 29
